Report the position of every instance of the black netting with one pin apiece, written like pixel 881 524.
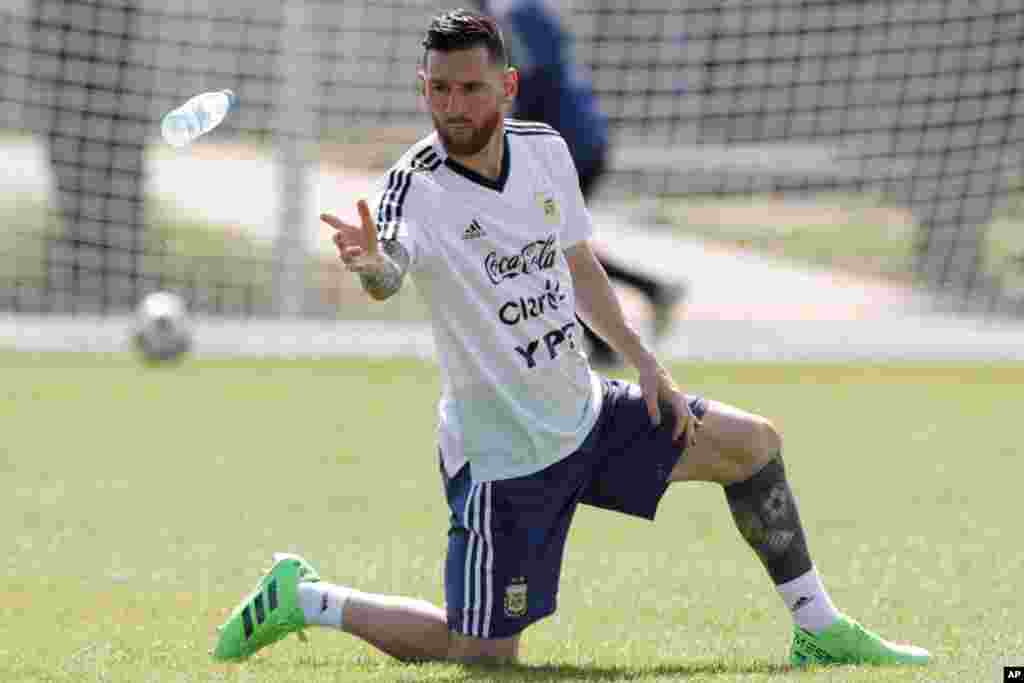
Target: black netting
pixel 917 101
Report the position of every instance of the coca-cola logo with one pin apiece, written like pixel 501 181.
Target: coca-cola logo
pixel 532 258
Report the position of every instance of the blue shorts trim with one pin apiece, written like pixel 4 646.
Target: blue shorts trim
pixel 506 538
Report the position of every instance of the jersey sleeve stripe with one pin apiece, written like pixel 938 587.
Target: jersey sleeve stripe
pixel 389 212
pixel 423 158
pixel 429 161
pixel 520 123
pixel 406 181
pixel 391 203
pixel 516 127
pixel 384 210
pixel 524 132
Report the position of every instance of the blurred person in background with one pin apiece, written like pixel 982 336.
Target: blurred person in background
pixel 554 90
pixel 92 117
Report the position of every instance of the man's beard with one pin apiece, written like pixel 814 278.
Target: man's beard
pixel 466 147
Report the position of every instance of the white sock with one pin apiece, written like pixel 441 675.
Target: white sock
pixel 808 602
pixel 323 604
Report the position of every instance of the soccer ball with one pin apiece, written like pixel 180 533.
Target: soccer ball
pixel 162 332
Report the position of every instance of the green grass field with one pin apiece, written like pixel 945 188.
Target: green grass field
pixel 141 504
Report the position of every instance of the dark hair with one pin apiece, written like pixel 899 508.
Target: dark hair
pixel 461 29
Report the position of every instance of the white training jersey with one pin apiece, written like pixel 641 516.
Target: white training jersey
pixel 487 257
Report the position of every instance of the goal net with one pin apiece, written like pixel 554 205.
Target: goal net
pixel 916 102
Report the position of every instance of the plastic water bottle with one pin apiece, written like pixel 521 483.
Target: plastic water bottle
pixel 199 115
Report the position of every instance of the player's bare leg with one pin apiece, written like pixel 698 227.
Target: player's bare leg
pixel 405 628
pixel 743 452
pixel 291 597
pixel 484 651
pixel 732 445
pixel 415 630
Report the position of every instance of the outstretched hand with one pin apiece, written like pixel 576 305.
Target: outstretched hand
pixel 357 244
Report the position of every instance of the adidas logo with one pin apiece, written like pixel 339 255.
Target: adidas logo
pixel 473 231
pixel 802 602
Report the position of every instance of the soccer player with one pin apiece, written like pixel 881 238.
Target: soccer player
pixel 487 215
pixel 554 90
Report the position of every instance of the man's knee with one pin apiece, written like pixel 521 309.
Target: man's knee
pixel 765 445
pixel 769 440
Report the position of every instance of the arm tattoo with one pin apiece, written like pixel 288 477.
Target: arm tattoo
pixel 384 284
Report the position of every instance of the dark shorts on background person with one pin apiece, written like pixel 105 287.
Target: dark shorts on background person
pixel 507 537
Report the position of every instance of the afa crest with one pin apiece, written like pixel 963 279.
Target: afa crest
pixel 549 206
pixel 515 598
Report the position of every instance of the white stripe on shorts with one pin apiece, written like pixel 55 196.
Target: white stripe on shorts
pixel 469 554
pixel 478 598
pixel 489 544
pixel 478 569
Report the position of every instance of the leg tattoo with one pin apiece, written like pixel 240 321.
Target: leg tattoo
pixel 765 513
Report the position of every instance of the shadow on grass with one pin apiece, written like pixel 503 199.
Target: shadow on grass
pixel 564 672
pixel 571 672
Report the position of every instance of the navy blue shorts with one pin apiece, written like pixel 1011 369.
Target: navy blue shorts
pixel 506 537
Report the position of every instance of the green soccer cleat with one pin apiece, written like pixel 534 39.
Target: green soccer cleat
pixel 269 613
pixel 847 642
